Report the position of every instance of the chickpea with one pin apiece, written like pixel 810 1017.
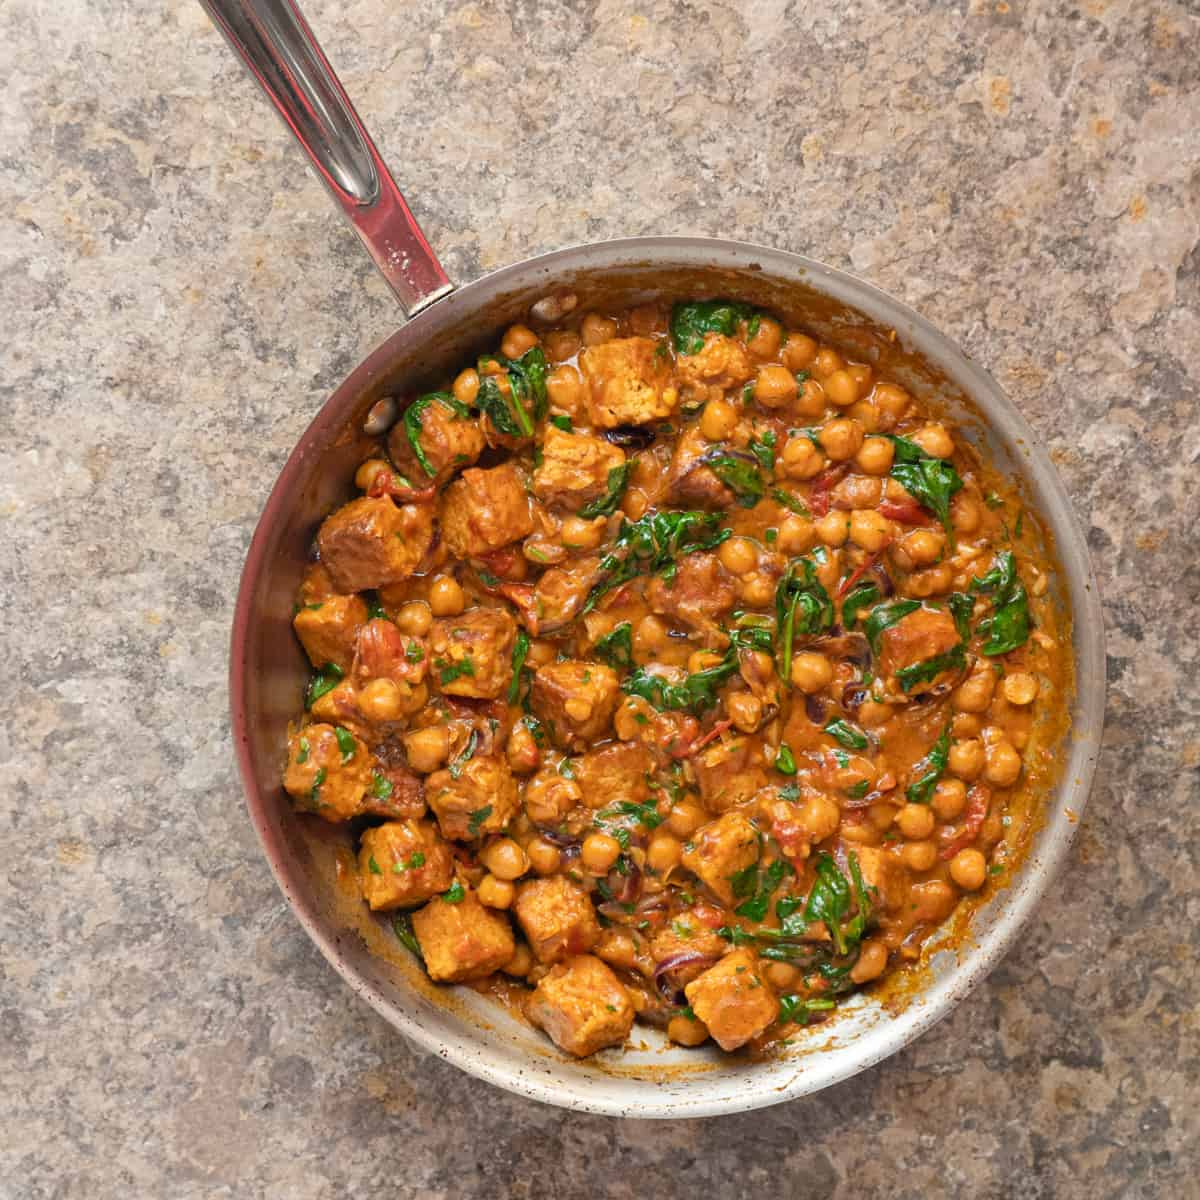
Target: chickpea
pixel 718 420
pixel 872 960
pixel 739 555
pixel 505 859
pixel 369 472
pixel 919 856
pixel 795 534
pixel 931 582
pixel 966 759
pixel 595 329
pixel 811 402
pixel 1020 688
pixel 702 660
pixel 767 339
pixel 1003 764
pixel 631 716
pixel 618 949
pixel 560 344
pixel 974 694
pixel 446 598
pixel 798 351
pixel 841 388
pixel 916 821
pixel 687 1031
pixel 578 533
pixel 869 529
pixel 517 340
pixel 833 528
pixel 686 817
pixel 875 456
pixel 865 413
pixel 968 868
pixel 599 852
pixel 466 386
pixel 934 900
pixel 775 387
pixel 863 376
pixel 892 403
pixel 495 893
pixel 882 815
pixel 820 816
pixel 650 637
pixel 745 711
pixel 635 504
pixel 782 975
pixel 872 714
pixel 663 852
pixel 564 387
pixel 800 458
pixel 965 513
pixel 381 700
pixel 862 834
pixel 521 962
pixel 858 491
pixel 544 857
pixel 427 749
pixel 949 798
pixel 841 439
pixel 758 590
pixel 934 439
pixel 414 618
pixel 923 547
pixel 811 671
pixel 965 725
pixel 826 362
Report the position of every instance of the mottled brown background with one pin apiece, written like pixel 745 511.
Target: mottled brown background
pixel 177 299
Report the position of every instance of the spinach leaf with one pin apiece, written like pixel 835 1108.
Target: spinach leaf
pixel 477 818
pixel 885 616
pixel 692 320
pixel 961 606
pixel 930 481
pixel 457 766
pixel 616 647
pixel 618 478
pixel 793 503
pixel 929 770
pixel 1008 624
pixel 449 671
pixel 454 893
pixel 743 883
pixel 381 786
pixel 830 898
pixel 375 610
pixel 798 1009
pixel 695 694
pixel 802 608
pixel 325 680
pixel 345 741
pixel 527 376
pixel 864 595
pixel 414 414
pixel 655 542
pixel 404 931
pixel 738 475
pixel 519 654
pixel 764 449
pixel 514 421
pixel 563 423
pixel 785 760
pixel 848 734
pixel 955 659
pixel 762 889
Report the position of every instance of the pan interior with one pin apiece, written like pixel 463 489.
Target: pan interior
pixel 269 673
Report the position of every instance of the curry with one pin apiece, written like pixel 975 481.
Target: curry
pixel 677 669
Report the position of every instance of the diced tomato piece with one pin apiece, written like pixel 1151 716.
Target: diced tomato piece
pixel 978 799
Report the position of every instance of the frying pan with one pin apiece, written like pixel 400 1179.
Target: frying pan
pixel 448 325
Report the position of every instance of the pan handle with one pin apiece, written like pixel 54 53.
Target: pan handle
pixel 278 48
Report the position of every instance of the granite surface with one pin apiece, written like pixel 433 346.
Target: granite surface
pixel 178 296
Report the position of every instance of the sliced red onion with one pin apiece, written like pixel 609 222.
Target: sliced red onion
pixel 665 974
pixel 633 437
pixel 814 708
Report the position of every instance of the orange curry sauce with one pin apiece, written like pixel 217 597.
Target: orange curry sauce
pixel 678 669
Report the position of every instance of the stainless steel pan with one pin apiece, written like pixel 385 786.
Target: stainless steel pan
pixel 268 671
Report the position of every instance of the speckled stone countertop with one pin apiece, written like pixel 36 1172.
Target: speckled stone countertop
pixel 179 296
